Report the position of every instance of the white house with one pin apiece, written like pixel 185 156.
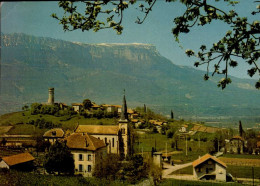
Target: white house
pixel 210 168
pixel 86 150
pixel 77 106
pixel 183 129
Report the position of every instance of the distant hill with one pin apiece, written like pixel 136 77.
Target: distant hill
pixel 100 72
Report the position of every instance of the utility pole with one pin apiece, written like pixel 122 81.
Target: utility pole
pixel 218 145
pixel 166 151
pixel 253 175
pixel 199 141
pixel 155 144
pixel 186 145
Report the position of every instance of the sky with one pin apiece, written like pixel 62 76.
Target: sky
pixel 34 18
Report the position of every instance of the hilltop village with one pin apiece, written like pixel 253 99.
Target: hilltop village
pixel 114 142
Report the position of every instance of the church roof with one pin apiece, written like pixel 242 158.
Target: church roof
pixel 18 158
pixel 205 158
pixel 124 114
pixel 84 141
pixel 98 129
pixel 238 137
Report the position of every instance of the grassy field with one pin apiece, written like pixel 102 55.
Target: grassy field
pixel 20 120
pixel 241 161
pixel 186 170
pixel 244 156
pixel 175 182
pixel 147 141
pixel 195 149
pixel 243 171
pixel 22 178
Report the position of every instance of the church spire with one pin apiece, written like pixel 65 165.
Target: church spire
pixel 124 115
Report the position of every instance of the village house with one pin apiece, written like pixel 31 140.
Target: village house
pixel 209 168
pixel 235 145
pixel 119 108
pixel 63 106
pixel 183 128
pixel 109 108
pixel 22 161
pixel 95 106
pixel 86 151
pixel 77 107
pixel 134 116
pixel 117 138
pixel 53 135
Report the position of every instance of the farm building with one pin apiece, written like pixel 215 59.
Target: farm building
pixel 22 161
pixel 53 135
pixel 210 168
pixel 12 140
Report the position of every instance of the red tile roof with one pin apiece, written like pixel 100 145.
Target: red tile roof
pixel 205 158
pixel 18 158
pixel 77 104
pixel 84 141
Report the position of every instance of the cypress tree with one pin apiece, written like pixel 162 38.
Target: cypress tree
pixel 172 116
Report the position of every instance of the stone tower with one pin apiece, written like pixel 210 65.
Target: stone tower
pixel 124 128
pixel 51 96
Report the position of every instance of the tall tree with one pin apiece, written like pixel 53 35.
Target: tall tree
pixel 59 159
pixel 107 167
pixel 241 41
pixel 87 104
pixel 172 116
pixel 241 131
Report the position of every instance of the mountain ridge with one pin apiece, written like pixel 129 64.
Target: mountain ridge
pixel 100 72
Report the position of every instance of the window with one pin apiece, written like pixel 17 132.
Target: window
pixel 89 157
pixel 123 131
pixel 80 168
pixel 199 169
pixel 113 142
pixel 80 157
pixel 89 168
pixel 105 140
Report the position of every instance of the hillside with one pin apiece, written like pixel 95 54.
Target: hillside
pixel 100 72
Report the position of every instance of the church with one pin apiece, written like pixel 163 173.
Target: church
pixel 117 138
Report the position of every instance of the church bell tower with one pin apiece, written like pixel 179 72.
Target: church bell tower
pixel 123 127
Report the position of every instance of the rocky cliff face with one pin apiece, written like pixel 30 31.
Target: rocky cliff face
pixel 100 72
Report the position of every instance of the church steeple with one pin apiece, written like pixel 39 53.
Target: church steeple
pixel 124 115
